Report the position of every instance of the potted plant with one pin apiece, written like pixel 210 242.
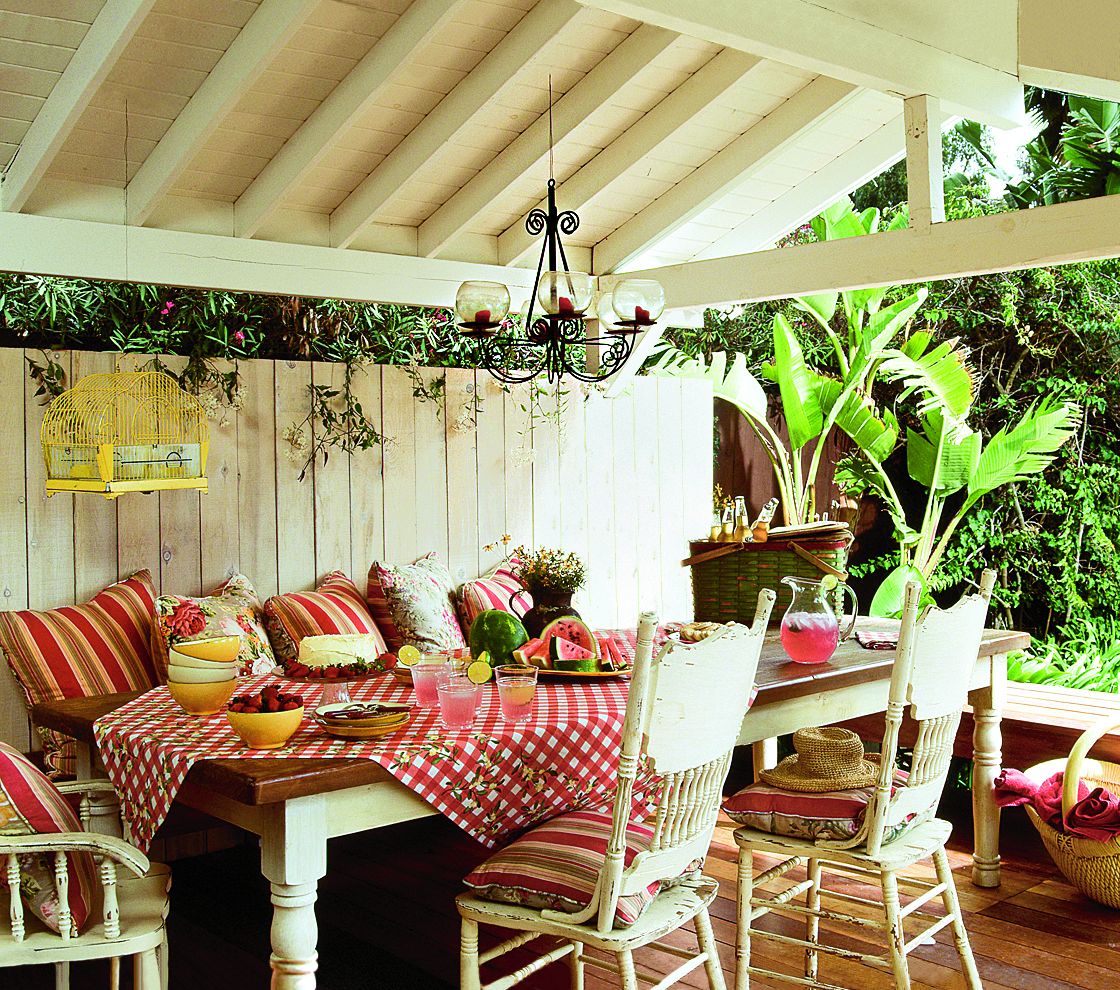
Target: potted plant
pixel 552 576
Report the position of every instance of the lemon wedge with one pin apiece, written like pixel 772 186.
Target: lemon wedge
pixel 408 655
pixel 829 582
pixel 479 672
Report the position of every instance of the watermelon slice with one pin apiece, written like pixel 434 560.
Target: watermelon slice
pixel 570 656
pixel 535 653
pixel 574 630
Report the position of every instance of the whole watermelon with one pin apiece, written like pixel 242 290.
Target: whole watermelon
pixel 498 634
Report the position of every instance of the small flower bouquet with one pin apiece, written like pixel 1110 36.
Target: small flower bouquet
pixel 547 569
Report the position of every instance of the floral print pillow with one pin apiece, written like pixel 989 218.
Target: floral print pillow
pixel 415 603
pixel 232 609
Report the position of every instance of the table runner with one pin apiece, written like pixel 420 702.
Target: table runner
pixel 493 779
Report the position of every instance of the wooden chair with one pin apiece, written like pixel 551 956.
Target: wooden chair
pixel 935 658
pixel 683 717
pixel 134 904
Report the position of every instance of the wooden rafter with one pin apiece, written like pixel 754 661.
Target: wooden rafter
pixel 93 60
pixel 436 132
pixel 925 174
pixel 723 172
pixel 702 88
pixel 609 77
pixel 345 104
pixel 266 32
pixel 1062 46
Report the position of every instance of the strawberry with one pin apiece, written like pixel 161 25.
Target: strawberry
pixel 387 660
pixel 272 704
pixel 332 672
pixel 290 706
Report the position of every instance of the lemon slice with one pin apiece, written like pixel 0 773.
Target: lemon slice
pixel 828 582
pixel 479 672
pixel 408 655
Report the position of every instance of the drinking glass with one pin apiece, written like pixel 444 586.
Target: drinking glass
pixel 517 686
pixel 426 679
pixel 458 702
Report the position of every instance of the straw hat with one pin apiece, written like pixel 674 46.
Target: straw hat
pixel 827 759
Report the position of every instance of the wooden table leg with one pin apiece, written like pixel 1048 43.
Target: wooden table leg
pixel 293 858
pixel 765 755
pixel 104 811
pixel 987 744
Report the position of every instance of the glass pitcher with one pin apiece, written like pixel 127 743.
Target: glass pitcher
pixel 810 629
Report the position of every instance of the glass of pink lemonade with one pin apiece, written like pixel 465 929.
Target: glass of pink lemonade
pixel 517 687
pixel 426 678
pixel 458 702
pixel 810 630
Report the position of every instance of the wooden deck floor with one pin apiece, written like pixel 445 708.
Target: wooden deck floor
pixel 387 921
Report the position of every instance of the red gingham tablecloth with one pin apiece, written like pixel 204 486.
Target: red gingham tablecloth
pixel 493 780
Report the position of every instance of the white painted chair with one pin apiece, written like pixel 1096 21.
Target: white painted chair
pixel 936 654
pixel 134 903
pixel 683 717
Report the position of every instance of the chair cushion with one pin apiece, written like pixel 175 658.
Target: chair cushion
pixel 557 865
pixel 31 805
pixel 802 815
pixel 231 609
pixel 336 606
pixel 101 647
pixel 499 589
pixel 415 603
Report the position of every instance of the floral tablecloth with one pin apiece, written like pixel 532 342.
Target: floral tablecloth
pixel 493 780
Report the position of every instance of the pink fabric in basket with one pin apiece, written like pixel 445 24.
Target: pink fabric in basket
pixel 1096 816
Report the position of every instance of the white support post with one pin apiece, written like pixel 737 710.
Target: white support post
pixel 94 59
pixel 925 175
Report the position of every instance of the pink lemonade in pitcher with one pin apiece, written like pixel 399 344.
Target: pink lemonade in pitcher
pixel 810 637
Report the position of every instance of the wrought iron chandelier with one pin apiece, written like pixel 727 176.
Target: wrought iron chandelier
pixel 555 340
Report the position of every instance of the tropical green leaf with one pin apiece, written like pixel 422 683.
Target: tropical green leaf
pixel 915 345
pixel 797 385
pixel 822 306
pixel 735 385
pixel 891 596
pixel 837 222
pixel 883 326
pixel 872 432
pixel 959 457
pixel 941 375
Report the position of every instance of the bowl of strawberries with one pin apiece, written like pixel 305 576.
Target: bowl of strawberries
pixel 266 719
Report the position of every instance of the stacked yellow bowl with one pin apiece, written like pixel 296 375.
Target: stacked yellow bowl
pixel 202 673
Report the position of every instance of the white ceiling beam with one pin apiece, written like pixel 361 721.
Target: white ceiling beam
pixel 345 104
pixel 848 46
pixel 1085 230
pixel 82 249
pixel 925 173
pixel 436 133
pixel 613 73
pixel 701 89
pixel 1063 46
pixel 723 172
pixel 874 154
pixel 265 33
pixel 93 60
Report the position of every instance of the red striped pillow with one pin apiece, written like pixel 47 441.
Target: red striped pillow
pixel 557 865
pixel 336 606
pixel 78 651
pixel 31 805
pixel 500 589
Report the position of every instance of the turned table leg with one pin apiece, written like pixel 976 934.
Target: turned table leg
pixel 987 744
pixel 293 859
pixel 104 810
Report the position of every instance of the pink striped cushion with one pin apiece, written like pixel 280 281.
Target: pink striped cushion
pixel 496 590
pixel 557 865
pixel 336 606
pixel 31 805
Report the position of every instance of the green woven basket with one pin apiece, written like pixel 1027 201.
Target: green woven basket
pixel 726 589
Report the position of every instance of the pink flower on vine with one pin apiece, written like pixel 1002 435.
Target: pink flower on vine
pixel 239 336
pixel 167 308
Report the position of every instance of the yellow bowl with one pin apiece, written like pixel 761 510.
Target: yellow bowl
pixel 192 675
pixel 202 699
pixel 220 648
pixel 177 659
pixel 266 730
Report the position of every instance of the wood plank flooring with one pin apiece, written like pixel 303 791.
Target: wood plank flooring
pixel 387 922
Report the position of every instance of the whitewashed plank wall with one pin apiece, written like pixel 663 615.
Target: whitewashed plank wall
pixel 621 481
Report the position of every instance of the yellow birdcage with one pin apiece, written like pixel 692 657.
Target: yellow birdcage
pixel 125 432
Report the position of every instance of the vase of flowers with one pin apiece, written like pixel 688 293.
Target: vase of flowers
pixel 552 577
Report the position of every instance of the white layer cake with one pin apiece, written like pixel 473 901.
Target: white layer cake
pixel 327 651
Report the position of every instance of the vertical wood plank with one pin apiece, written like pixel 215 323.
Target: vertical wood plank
pixel 431 471
pixel 295 500
pixel 675 586
pixel 571 490
pixel 219 511
pixel 367 499
pixel 490 439
pixel 626 549
pixel 50 521
pixel 519 466
pixel 138 541
pixel 13 535
pixel 95 518
pixel 697 419
pixel 256 476
pixel 399 470
pixel 546 466
pixel 180 529
pixel 650 561
pixel 602 586
pixel 332 492
pixel 461 436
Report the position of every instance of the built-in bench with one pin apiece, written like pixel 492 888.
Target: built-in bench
pixel 1040 722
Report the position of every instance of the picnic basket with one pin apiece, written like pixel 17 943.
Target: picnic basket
pixel 726 578
pixel 1092 866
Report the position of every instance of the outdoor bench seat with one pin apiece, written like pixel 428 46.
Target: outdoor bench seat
pixel 1040 722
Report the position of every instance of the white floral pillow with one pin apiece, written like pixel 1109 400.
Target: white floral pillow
pixel 415 603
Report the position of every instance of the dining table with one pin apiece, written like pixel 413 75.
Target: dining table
pixel 295 805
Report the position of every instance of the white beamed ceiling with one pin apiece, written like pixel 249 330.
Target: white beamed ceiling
pixel 179 42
